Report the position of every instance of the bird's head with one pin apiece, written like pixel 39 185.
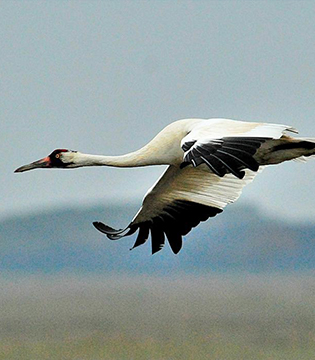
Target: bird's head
pixel 59 158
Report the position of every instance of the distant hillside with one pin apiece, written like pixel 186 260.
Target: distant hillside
pixel 238 239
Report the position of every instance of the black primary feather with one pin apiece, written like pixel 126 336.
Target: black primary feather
pixel 176 220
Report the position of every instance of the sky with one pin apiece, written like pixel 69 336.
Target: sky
pixel 103 77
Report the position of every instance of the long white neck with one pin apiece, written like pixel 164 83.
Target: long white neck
pixel 142 157
pixel 164 149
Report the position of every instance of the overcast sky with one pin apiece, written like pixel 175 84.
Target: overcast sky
pixel 104 77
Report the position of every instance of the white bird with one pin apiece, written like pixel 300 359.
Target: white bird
pixel 210 161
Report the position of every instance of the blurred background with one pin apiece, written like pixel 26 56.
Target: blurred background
pixel 103 77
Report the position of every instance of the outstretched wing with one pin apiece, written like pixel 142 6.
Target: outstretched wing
pixel 228 146
pixel 179 201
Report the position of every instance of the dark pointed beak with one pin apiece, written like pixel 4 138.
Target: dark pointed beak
pixel 43 163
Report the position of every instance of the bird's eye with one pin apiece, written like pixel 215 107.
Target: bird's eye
pixel 57 156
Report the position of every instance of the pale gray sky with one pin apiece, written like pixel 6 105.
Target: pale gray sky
pixel 105 76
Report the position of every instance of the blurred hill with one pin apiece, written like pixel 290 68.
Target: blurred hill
pixel 240 239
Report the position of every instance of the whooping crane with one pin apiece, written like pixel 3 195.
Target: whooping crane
pixel 210 161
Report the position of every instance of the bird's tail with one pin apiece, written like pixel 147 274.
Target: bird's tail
pixel 310 149
pixel 286 148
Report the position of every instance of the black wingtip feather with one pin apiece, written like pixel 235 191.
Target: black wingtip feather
pixel 174 239
pixel 111 233
pixel 142 235
pixel 175 221
pixel 105 228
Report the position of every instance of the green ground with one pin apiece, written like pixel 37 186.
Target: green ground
pixel 120 318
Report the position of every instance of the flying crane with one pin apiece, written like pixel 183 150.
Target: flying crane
pixel 210 161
